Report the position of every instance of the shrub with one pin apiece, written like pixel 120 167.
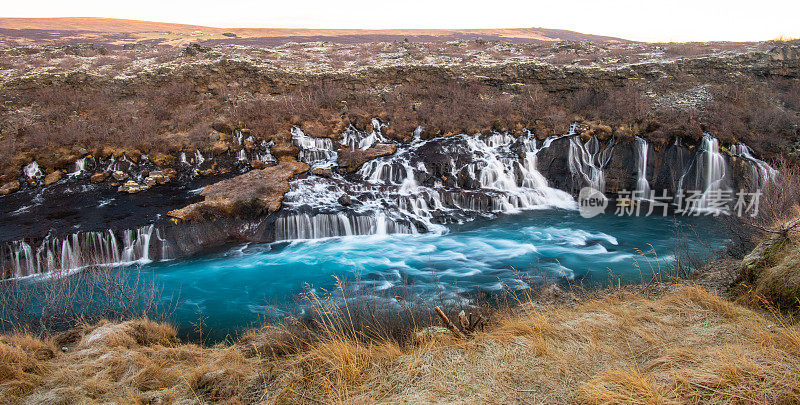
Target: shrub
pixel 62 301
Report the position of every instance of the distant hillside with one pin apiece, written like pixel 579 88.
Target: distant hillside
pixel 26 31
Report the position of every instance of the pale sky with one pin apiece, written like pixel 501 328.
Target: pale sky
pixel 665 20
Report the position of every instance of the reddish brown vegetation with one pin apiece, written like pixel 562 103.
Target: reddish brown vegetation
pixel 50 122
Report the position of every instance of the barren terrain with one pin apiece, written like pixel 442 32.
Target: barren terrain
pixel 107 31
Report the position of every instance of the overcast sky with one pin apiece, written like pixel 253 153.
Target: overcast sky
pixel 644 20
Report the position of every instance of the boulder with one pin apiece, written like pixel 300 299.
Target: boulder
pixel 53 177
pixel 322 172
pixel 345 200
pixel 169 174
pixel 99 177
pixel 283 150
pixel 130 187
pixel 257 164
pixel 224 127
pixel 219 147
pixel 156 177
pixel 119 175
pixel 162 159
pixel 248 195
pixel 9 187
pixel 351 160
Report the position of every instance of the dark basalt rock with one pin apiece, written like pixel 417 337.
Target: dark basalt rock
pixel 673 162
pixel 553 163
pixel 345 200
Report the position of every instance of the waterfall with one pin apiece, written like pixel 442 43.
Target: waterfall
pixel 399 194
pixel 762 172
pixel 32 170
pixel 241 156
pixel 712 167
pixel 80 167
pixel 183 158
pixel 291 226
pixel 80 250
pixel 587 160
pixel 417 137
pixel 198 157
pixel 709 170
pixel 316 152
pixel 642 185
pixel 356 139
pixel 265 154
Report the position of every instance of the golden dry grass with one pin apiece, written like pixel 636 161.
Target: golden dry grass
pixel 686 346
pixel 771 274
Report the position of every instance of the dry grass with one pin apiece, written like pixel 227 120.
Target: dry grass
pixel 771 274
pixel 686 346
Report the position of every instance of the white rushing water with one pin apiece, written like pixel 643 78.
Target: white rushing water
pixel 356 139
pixel 709 178
pixel 317 152
pixel 198 157
pixel 587 160
pixel 32 170
pixel 642 185
pixel 399 194
pixel 80 167
pixel 761 171
pixel 423 186
pixel 79 250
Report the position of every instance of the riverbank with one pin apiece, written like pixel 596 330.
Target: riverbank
pixel 725 334
pixel 684 341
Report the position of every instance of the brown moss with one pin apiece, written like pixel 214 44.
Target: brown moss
pixel 247 195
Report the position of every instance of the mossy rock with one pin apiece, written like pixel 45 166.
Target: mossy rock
pixel 773 269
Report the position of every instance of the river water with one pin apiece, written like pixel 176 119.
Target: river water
pixel 232 288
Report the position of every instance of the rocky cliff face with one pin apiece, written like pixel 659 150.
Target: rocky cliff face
pixel 412 187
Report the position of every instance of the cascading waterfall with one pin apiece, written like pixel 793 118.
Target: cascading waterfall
pixel 32 170
pixel 710 172
pixel 290 226
pixel 587 160
pixel 265 153
pixel 80 167
pixel 317 152
pixel 356 139
pixel 198 157
pixel 80 250
pixel 762 172
pixel 642 185
pixel 397 194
